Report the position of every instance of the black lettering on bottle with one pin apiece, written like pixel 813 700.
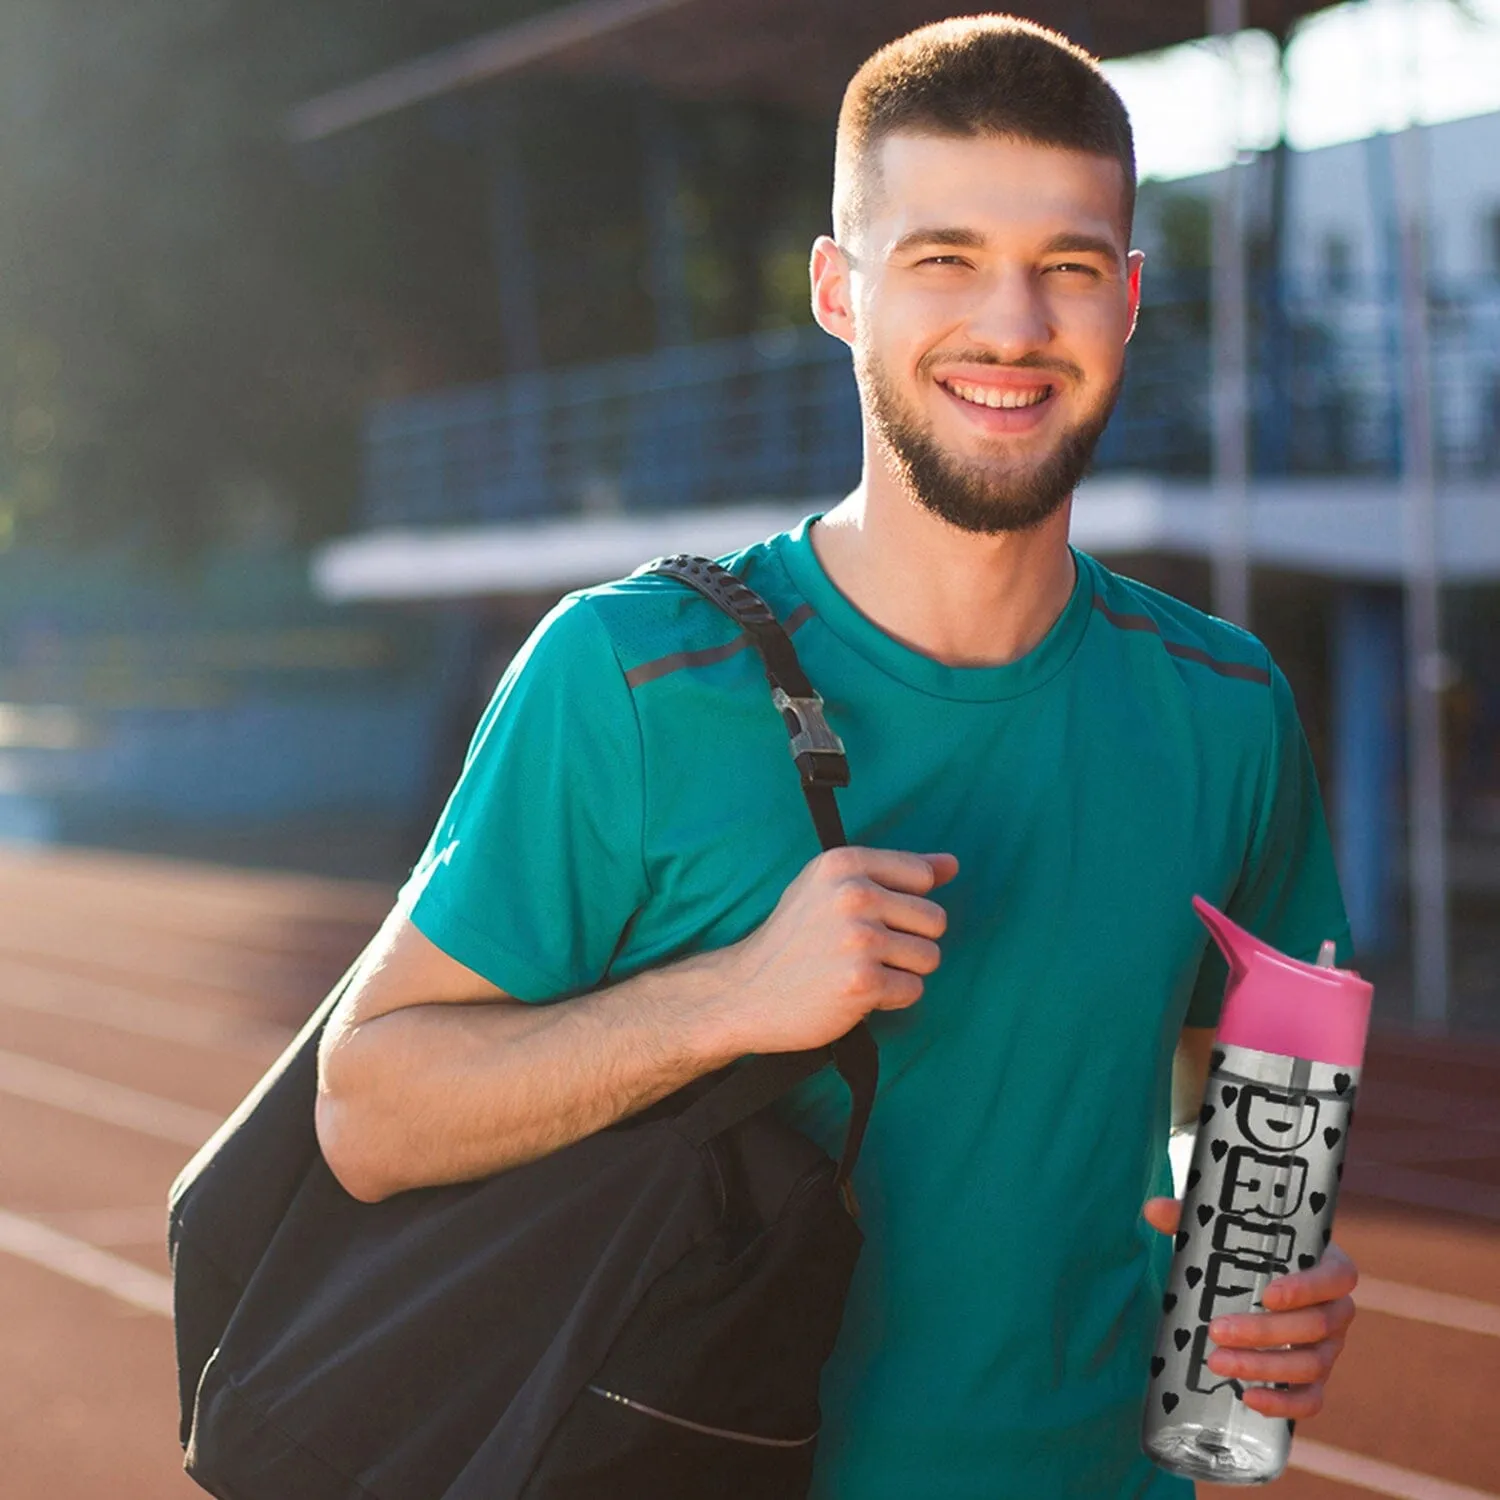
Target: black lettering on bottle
pixel 1199 1377
pixel 1255 1239
pixel 1229 1279
pixel 1246 1176
pixel 1275 1120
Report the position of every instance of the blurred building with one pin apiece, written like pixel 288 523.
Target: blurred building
pixel 483 501
pixel 504 494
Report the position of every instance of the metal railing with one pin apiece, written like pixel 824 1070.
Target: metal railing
pixel 699 424
pixel 776 414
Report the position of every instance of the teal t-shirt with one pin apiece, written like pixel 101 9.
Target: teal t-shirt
pixel 628 799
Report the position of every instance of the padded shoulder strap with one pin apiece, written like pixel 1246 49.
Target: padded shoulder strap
pixel 820 758
pixel 817 750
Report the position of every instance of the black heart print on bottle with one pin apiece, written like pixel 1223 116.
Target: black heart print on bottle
pixel 1261 1194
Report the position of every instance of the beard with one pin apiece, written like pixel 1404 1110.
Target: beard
pixel 985 498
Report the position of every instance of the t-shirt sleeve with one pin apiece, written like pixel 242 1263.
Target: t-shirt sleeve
pixel 535 867
pixel 1288 892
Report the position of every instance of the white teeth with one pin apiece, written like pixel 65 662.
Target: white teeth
pixel 988 396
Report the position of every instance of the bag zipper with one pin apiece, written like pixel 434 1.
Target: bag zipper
pixel 718 1432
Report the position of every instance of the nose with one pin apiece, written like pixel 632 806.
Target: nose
pixel 1010 317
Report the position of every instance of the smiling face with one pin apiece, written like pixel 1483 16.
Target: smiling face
pixel 988 293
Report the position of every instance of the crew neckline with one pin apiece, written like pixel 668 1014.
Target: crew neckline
pixel 977 684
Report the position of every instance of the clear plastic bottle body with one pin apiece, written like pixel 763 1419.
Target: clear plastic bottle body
pixel 1259 1202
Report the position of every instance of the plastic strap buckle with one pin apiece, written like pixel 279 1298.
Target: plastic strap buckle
pixel 818 751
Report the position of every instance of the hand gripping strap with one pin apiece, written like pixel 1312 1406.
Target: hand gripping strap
pixel 819 754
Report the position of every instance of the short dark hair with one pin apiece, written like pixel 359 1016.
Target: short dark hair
pixel 978 75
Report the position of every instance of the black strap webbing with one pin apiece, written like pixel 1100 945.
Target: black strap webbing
pixel 822 764
pixel 817 750
pixel 763 1080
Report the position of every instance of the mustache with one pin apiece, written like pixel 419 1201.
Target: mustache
pixel 1038 362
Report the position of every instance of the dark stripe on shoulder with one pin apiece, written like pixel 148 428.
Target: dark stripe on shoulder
pixel 1223 668
pixel 649 671
pixel 1175 648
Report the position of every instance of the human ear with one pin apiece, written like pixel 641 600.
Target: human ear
pixel 1133 263
pixel 832 308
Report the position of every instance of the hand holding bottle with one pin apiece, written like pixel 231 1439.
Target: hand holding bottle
pixel 1295 1342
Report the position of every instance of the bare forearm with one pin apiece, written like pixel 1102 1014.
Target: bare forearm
pixel 447 1093
pixel 432 1074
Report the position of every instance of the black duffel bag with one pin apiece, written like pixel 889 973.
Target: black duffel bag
pixel 644 1313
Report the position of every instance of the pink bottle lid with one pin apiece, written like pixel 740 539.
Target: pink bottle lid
pixel 1276 1003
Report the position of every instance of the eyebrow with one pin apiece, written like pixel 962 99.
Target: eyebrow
pixel 1081 244
pixel 1068 242
pixel 959 239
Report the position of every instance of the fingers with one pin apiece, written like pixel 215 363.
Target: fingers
pixel 898 989
pixel 1333 1277
pixel 1294 1343
pixel 866 909
pixel 876 949
pixel 865 901
pixel 1306 1366
pixel 903 913
pixel 1294 1349
pixel 867 891
pixel 894 869
pixel 1273 1330
pixel 1301 1401
pixel 915 955
pixel 1163 1214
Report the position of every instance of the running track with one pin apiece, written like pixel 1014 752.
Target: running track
pixel 140 998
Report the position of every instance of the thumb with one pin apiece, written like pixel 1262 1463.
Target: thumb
pixel 1163 1214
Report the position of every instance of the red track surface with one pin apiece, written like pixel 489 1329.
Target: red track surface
pixel 179 981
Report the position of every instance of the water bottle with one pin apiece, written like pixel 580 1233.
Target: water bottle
pixel 1260 1192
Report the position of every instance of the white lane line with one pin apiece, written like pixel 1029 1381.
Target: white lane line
pixel 1372 1474
pixel 106 1227
pixel 1423 1306
pixel 81 1094
pixel 84 1263
pixel 50 993
pixel 1419 1189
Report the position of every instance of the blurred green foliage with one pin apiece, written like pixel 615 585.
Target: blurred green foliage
pixel 194 312
pixel 177 322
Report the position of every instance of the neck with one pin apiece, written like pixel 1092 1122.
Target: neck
pixel 963 599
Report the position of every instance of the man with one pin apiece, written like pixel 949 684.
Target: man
pixel 1048 761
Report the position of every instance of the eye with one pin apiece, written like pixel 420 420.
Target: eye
pixel 943 260
pixel 1076 268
